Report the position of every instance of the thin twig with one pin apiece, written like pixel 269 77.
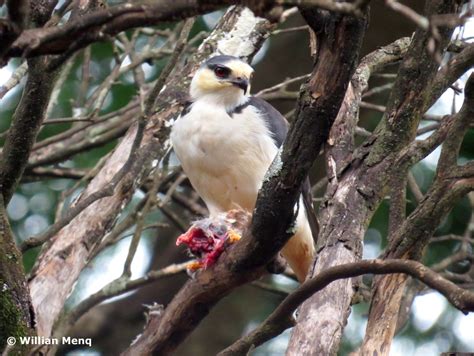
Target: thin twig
pixel 414 188
pixel 270 288
pixel 377 90
pixel 281 85
pixel 151 196
pixel 421 21
pixel 166 71
pixel 366 105
pixel 115 235
pixel 14 80
pixel 148 108
pixel 66 121
pixel 291 29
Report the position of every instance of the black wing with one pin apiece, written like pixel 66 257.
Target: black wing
pixel 278 126
pixel 276 122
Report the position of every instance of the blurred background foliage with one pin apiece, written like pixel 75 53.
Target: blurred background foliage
pixel 433 326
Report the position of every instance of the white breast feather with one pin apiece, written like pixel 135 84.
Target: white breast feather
pixel 225 157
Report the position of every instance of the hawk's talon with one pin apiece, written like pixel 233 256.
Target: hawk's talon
pixel 233 236
pixel 193 266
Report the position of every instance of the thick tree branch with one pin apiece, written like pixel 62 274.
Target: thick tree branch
pixel 341 139
pixel 418 228
pixel 31 110
pixel 109 22
pixel 413 235
pixel 281 317
pixel 452 143
pixel 405 106
pixel 16 311
pixel 397 213
pixel 451 71
pixel 354 184
pixel 26 124
pixel 12 27
pixel 419 149
pixel 18 12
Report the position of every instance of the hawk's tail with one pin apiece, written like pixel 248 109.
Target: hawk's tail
pixel 299 250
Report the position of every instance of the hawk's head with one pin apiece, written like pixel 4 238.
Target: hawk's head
pixel 224 77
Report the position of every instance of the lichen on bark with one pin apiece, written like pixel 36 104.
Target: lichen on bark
pixel 16 312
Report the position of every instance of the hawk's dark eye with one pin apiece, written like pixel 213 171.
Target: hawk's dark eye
pixel 221 72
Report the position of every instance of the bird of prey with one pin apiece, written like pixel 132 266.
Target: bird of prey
pixel 226 140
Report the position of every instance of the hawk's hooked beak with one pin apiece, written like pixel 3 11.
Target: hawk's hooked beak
pixel 241 83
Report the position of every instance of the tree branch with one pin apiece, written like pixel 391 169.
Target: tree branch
pixel 281 317
pixel 341 139
pixel 405 107
pixel 451 71
pixel 17 21
pixel 16 311
pixel 354 185
pixel 420 225
pixel 113 289
pixel 26 124
pixel 411 238
pixel 109 22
